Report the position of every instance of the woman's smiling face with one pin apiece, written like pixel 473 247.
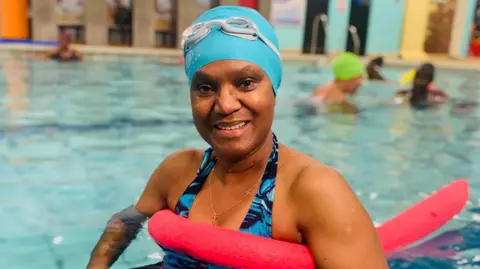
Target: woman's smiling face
pixel 233 106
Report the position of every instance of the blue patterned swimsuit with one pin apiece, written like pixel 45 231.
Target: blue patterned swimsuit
pixel 259 217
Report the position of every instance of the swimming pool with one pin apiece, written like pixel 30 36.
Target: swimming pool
pixel 79 141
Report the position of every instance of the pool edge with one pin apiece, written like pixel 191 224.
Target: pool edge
pixel 171 56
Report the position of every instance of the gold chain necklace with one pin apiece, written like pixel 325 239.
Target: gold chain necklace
pixel 217 215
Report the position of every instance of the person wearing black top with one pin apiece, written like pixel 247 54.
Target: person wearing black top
pixel 122 17
pixel 373 69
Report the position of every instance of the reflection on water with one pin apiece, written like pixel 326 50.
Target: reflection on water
pixel 86 136
pixel 16 99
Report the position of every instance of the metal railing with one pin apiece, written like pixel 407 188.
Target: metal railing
pixel 319 18
pixel 357 43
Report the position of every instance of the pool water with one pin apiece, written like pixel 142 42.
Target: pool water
pixel 79 141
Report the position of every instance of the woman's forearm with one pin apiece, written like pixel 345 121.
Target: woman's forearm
pixel 122 228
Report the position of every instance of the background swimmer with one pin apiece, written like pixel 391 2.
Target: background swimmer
pixel 422 95
pixel 373 69
pixel 64 52
pixel 348 70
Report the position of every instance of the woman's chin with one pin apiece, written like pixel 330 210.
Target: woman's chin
pixel 233 150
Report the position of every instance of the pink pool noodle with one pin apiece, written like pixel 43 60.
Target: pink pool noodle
pixel 241 250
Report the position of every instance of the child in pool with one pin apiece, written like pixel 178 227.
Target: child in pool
pixel 422 94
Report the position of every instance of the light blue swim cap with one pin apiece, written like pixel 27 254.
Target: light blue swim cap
pixel 220 46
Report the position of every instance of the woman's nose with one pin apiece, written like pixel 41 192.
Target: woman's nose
pixel 227 101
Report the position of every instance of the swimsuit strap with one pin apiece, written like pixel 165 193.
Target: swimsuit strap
pixel 258 219
pixel 186 200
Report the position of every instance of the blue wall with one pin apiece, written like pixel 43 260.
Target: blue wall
pixel 338 26
pixel 385 27
pixel 466 35
pixel 290 37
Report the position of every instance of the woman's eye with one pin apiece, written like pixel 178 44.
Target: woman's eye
pixel 204 89
pixel 247 84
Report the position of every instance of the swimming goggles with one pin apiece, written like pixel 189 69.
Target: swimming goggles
pixel 234 26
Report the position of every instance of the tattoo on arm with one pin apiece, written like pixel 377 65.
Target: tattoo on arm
pixel 121 229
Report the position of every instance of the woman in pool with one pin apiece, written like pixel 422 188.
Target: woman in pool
pixel 246 180
pixel 64 53
pixel 423 94
pixel 348 70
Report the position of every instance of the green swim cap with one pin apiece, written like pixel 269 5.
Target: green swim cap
pixel 347 66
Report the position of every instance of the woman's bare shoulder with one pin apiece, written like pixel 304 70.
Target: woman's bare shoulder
pixel 302 169
pixel 180 162
pixel 297 161
pixel 168 179
pixel 174 169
